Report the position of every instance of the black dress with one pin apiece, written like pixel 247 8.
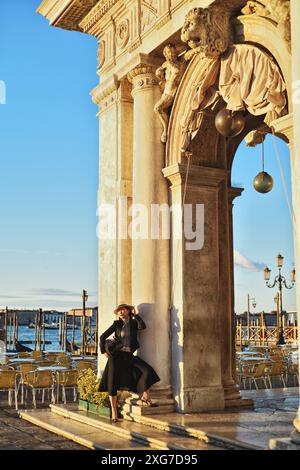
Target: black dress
pixel 125 371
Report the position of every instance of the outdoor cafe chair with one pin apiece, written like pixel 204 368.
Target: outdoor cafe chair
pixel 40 381
pixel 84 365
pixel 67 380
pixel 8 383
pixel 293 370
pixel 24 369
pixel 37 354
pixel 276 357
pixel 63 360
pixel 254 372
pixel 276 369
pixel 51 356
pixel 24 355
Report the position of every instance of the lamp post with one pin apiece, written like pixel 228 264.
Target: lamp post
pixel 279 281
pixel 84 300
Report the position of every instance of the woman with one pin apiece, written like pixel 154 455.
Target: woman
pixel 123 370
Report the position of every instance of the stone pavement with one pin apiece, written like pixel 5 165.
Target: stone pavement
pixel 16 434
pixel 270 418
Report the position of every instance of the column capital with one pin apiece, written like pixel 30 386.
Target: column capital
pixel 233 193
pixel 142 77
pixel 105 93
pixel 199 176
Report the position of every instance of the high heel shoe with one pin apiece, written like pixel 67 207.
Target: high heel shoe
pixel 149 403
pixel 114 420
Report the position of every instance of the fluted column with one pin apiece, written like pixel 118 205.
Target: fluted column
pixel 295 17
pixel 150 257
pixel 289 126
pixel 231 389
pixel 115 190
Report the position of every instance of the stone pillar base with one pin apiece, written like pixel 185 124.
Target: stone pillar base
pixel 201 399
pixel 287 443
pixel 233 397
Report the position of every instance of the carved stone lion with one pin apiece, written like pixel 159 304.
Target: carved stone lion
pixel 207 30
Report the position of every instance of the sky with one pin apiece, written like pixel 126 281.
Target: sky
pixel 49 176
pixel 49 162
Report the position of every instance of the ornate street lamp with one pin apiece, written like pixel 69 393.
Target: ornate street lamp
pixel 279 281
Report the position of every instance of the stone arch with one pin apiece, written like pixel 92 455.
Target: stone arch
pixel 209 307
pixel 260 31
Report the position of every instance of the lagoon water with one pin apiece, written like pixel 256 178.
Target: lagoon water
pixel 27 334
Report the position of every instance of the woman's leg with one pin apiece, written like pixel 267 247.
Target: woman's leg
pixel 113 404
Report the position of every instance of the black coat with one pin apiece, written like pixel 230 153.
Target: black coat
pixel 136 324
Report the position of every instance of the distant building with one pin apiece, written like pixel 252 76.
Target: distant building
pixel 28 316
pixel 270 318
pixel 90 312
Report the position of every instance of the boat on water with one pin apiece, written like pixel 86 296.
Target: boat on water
pixel 47 326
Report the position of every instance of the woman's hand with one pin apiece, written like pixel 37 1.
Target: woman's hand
pixel 105 354
pixel 133 311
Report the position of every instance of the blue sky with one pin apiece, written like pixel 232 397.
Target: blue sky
pixel 49 175
pixel 49 161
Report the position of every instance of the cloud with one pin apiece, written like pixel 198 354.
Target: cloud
pixel 14 251
pixel 243 262
pixel 59 293
pixel 10 297
pixel 54 292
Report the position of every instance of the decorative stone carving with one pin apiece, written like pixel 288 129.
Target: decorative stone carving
pixel 105 97
pixel 101 53
pixel 122 33
pixel 277 10
pixel 72 16
pixel 207 31
pixel 254 8
pixel 100 9
pixel 257 136
pixel 243 75
pixel 149 13
pixel 142 76
pixel 169 74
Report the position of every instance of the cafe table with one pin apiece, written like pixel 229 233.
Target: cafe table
pixel 255 359
pixel 22 360
pixel 82 358
pixel 247 353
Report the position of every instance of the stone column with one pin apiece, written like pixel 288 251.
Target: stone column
pixel 289 126
pixel 150 257
pixel 231 389
pixel 201 330
pixel 115 189
pixel 295 16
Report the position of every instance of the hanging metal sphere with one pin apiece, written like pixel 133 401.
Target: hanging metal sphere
pixel 228 123
pixel 263 183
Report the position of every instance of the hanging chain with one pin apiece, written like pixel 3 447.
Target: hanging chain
pixel 291 211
